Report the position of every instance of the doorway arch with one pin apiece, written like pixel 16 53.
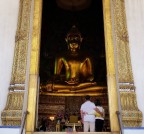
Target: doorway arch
pixel 34 67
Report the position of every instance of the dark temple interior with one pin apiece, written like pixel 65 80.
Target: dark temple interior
pixel 56 22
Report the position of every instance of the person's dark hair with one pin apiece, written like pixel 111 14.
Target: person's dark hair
pixel 97 102
pixel 87 97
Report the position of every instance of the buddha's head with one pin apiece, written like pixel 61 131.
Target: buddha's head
pixel 74 36
pixel 74 39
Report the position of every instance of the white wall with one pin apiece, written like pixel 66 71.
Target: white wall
pixel 134 131
pixel 9 130
pixel 8 25
pixel 135 21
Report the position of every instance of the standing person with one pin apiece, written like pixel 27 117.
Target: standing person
pixel 88 120
pixel 99 119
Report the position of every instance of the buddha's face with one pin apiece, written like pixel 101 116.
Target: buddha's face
pixel 74 42
pixel 73 46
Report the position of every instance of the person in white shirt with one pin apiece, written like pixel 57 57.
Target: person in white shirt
pixel 88 119
pixel 99 119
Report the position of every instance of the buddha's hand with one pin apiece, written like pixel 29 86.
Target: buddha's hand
pixel 72 81
pixel 93 83
pixel 90 78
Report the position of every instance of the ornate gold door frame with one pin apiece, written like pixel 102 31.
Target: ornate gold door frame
pixel 34 67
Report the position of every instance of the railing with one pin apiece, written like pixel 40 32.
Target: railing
pixel 120 121
pixel 23 121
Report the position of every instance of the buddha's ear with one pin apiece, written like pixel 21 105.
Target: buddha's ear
pixel 66 39
pixel 81 39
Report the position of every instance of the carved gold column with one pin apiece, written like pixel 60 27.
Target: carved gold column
pixel 34 67
pixel 12 113
pixel 111 71
pixel 131 116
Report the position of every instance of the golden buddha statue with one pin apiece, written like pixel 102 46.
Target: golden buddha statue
pixel 73 69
